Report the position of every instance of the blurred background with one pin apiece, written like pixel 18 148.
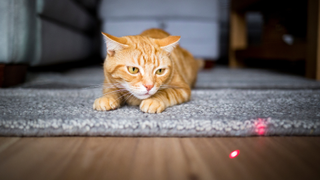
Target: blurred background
pixel 47 34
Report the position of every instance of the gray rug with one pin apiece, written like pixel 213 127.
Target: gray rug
pixel 57 104
pixel 220 77
pixel 209 113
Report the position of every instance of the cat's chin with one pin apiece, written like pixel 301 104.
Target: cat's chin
pixel 142 96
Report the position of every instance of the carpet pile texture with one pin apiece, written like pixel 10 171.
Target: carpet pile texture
pixel 224 103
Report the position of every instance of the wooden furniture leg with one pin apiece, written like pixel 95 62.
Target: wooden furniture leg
pixel 238 37
pixel 313 40
pixel 1 74
pixel 12 74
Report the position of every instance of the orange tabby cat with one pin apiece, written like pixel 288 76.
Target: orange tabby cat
pixel 150 70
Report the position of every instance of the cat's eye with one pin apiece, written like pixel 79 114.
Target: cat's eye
pixel 133 70
pixel 160 71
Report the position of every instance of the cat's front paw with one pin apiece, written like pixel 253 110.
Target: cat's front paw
pixel 152 106
pixel 105 104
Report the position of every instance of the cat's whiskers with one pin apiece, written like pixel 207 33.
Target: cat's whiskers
pixel 121 97
pixel 110 92
pixel 112 85
pixel 102 85
pixel 92 86
pixel 130 96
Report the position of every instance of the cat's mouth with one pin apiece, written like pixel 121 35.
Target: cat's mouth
pixel 143 96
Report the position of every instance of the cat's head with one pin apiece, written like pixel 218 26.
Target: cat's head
pixel 140 64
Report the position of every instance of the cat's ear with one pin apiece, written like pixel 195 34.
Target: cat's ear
pixel 114 43
pixel 168 43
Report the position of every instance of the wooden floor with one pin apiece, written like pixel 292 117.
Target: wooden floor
pixel 159 158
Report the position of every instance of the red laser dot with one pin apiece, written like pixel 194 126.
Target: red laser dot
pixel 234 154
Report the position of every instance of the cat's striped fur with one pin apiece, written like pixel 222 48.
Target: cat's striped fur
pixel 150 51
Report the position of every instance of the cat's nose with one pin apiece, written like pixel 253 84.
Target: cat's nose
pixel 148 86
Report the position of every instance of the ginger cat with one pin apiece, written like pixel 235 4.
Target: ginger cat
pixel 150 70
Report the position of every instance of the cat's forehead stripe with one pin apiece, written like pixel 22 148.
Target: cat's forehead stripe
pixel 147 52
pixel 142 60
